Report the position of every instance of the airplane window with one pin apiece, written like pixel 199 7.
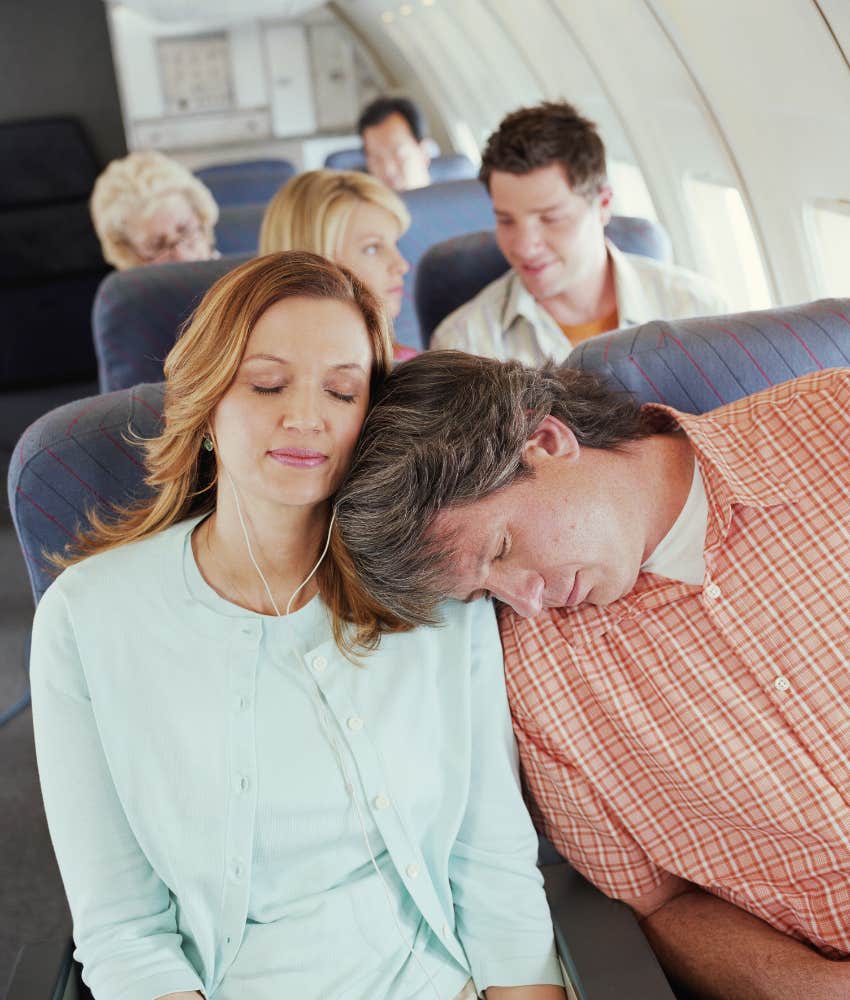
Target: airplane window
pixel 728 244
pixel 631 195
pixel 830 222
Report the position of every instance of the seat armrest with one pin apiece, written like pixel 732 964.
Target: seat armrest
pixel 601 945
pixel 46 970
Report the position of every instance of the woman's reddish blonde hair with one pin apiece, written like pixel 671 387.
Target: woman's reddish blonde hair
pixel 199 370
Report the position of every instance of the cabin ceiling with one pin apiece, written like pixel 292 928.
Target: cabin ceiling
pixel 218 12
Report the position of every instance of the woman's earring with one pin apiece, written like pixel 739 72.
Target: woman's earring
pixel 207 442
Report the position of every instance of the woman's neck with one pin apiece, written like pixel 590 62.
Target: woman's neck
pixel 285 543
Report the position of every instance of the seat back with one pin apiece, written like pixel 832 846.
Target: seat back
pixel 238 228
pixel 50 259
pixel 699 364
pixel 454 167
pixel 138 314
pixel 245 183
pixel 450 167
pixel 80 457
pixel 346 159
pixel 437 213
pixel 453 272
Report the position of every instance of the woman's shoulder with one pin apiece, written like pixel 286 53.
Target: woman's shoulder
pixel 132 566
pixel 460 625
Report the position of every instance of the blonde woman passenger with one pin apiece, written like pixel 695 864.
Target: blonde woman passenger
pixel 348 217
pixel 249 795
pixel 149 209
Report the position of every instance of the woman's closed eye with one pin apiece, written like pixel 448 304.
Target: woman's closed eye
pixel 274 390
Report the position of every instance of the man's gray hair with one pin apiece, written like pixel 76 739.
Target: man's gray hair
pixel 448 429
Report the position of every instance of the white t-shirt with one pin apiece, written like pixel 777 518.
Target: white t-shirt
pixel 679 554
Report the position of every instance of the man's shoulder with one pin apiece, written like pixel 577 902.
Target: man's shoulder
pixel 827 388
pixel 681 291
pixel 475 322
pixel 821 400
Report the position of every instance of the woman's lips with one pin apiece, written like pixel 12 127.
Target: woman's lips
pixel 298 458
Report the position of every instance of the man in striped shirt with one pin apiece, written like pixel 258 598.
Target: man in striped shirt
pixel 544 168
pixel 676 624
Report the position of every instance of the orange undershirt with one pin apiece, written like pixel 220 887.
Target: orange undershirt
pixel 584 331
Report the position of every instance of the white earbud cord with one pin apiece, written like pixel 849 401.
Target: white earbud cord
pixel 349 786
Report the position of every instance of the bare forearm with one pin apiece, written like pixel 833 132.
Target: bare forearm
pixel 724 953
pixel 524 993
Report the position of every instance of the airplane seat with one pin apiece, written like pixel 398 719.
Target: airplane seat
pixel 454 167
pixel 238 228
pixel 245 183
pixel 346 159
pixel 138 313
pixel 438 212
pixel 454 271
pixel 699 364
pixel 86 456
pixel 50 267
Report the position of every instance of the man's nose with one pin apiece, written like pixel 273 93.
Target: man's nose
pixel 523 590
pixel 526 240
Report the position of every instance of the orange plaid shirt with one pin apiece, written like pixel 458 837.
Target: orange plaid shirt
pixel 704 731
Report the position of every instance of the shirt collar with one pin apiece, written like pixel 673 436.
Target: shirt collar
pixel 730 477
pixel 632 304
pixel 520 302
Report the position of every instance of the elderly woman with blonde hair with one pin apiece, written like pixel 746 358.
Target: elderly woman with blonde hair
pixel 149 209
pixel 350 218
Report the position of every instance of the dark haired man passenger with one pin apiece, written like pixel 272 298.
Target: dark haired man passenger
pixel 676 629
pixel 395 141
pixel 544 168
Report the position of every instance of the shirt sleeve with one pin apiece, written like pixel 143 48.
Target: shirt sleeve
pixel 453 334
pixel 584 828
pixel 125 926
pixel 501 912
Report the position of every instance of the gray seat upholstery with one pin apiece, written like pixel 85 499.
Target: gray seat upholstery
pixel 448 167
pixel 346 159
pixel 50 259
pixel 245 183
pixel 699 364
pixel 238 228
pixel 454 271
pixel 138 313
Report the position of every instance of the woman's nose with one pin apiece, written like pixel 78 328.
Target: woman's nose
pixel 399 264
pixel 302 411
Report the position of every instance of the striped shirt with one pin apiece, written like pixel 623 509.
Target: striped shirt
pixel 505 321
pixel 704 731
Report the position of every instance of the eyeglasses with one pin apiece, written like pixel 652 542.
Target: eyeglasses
pixel 164 248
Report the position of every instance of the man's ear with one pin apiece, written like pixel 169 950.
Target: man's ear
pixel 606 203
pixel 551 439
pixel 424 145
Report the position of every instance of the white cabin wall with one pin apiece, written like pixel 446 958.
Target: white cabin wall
pixel 780 86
